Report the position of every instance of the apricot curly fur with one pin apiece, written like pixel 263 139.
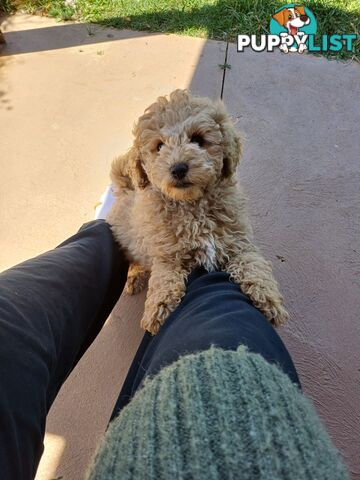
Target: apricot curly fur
pixel 169 227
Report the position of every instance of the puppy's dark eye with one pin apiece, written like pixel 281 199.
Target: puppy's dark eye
pixel 159 145
pixel 197 139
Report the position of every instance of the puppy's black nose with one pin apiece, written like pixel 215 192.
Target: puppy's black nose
pixel 179 170
pixel 304 18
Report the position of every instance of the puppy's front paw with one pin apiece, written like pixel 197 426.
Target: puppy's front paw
pixel 166 289
pixel 268 300
pixel 154 317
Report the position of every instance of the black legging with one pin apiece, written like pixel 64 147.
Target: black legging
pixel 53 306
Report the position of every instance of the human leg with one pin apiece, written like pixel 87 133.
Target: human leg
pixel 51 309
pixel 214 312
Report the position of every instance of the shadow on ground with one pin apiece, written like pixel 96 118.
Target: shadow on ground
pixel 62 36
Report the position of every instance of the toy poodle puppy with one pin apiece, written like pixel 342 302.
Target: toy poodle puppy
pixel 179 206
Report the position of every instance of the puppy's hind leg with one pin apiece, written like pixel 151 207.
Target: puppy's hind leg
pixel 136 279
pixel 254 275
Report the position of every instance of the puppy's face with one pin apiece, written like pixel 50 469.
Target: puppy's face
pixel 184 146
pixel 184 158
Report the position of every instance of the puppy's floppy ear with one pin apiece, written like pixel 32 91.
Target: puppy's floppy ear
pixel 127 170
pixel 300 9
pixel 231 142
pixel 136 170
pixel 280 17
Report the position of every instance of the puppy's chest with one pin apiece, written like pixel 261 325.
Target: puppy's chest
pixel 198 243
pixel 206 255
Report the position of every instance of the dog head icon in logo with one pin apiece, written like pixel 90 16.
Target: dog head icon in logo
pixel 295 21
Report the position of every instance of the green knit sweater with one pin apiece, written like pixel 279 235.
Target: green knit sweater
pixel 218 415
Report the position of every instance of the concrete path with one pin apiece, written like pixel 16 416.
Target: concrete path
pixel 69 94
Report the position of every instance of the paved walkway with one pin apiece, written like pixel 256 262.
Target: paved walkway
pixel 69 94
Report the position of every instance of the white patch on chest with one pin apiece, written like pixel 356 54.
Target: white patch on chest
pixel 209 255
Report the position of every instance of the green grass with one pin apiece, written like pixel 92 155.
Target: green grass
pixel 216 19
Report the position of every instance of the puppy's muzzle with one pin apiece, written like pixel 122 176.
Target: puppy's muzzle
pixel 179 170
